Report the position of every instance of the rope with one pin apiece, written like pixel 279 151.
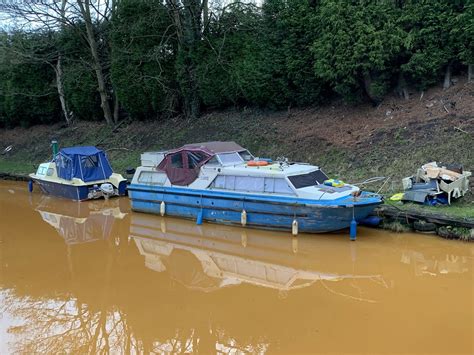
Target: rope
pixel 370 180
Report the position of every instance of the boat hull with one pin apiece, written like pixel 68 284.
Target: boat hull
pixel 72 192
pixel 261 211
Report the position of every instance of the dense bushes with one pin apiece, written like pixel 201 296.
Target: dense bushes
pixel 164 59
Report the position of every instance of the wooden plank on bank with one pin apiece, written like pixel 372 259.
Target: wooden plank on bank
pixel 440 219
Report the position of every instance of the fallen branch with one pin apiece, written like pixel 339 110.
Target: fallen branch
pixel 445 108
pixel 117 149
pixel 461 130
pixel 117 126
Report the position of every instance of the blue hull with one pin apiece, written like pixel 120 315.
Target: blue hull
pixel 266 212
pixel 71 192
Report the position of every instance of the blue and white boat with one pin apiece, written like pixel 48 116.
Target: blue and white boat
pixel 79 173
pixel 222 182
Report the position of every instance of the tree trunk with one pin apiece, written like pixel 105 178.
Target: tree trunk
pixel 470 73
pixel 60 87
pixel 402 87
pixel 205 14
pixel 190 33
pixel 368 89
pixel 172 4
pixel 447 76
pixel 116 107
pixel 102 88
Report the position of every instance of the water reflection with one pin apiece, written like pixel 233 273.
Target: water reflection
pixel 122 282
pixel 205 258
pixel 423 266
pixel 80 222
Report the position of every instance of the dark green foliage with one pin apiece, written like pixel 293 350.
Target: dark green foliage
pixel 463 30
pixel 143 59
pixel 227 43
pixel 164 59
pixel 358 42
pixel 80 85
pixel 433 38
pixel 27 91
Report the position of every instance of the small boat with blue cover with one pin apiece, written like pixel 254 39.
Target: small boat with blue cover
pixel 222 182
pixel 79 173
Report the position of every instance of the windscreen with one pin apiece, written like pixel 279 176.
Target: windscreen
pixel 304 180
pixel 230 158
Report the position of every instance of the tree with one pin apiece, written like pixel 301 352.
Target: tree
pixel 464 30
pixel 143 59
pixel 357 43
pixel 27 83
pixel 56 16
pixel 433 40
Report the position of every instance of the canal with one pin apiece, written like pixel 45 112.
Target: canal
pixel 94 277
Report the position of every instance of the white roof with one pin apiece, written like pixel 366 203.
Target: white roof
pixel 269 170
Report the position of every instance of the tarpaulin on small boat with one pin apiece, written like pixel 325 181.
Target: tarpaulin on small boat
pixel 85 163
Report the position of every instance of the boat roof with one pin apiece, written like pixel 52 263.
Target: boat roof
pixel 216 147
pixel 272 169
pixel 85 150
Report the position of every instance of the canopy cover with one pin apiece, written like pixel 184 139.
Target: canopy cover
pixel 182 165
pixel 85 163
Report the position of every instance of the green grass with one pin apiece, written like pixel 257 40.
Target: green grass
pixel 396 227
pixel 20 167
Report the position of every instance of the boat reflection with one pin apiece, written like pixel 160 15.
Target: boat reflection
pixel 80 222
pixel 208 257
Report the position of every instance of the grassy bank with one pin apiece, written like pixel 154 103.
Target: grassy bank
pixel 351 143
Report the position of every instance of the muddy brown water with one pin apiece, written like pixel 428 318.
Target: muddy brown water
pixel 94 277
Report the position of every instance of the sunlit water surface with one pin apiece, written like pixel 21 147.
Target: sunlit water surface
pixel 95 277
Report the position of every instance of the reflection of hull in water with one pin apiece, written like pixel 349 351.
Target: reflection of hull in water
pixel 80 223
pixel 207 258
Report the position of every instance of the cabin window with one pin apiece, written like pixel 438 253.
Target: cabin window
pixel 230 182
pixel 91 161
pixel 41 170
pixel 219 182
pixel 282 187
pixel 249 183
pixel 311 179
pixel 62 162
pixel 246 156
pixel 269 185
pixel 213 162
pixel 151 178
pixel 50 172
pixel 177 161
pixel 230 158
pixel 194 159
pixel 252 184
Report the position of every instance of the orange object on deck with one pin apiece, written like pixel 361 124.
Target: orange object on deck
pixel 257 163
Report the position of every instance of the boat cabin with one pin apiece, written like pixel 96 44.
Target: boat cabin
pixel 227 166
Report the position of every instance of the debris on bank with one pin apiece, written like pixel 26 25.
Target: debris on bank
pixel 435 184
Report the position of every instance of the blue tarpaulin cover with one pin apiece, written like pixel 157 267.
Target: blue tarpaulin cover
pixel 85 163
